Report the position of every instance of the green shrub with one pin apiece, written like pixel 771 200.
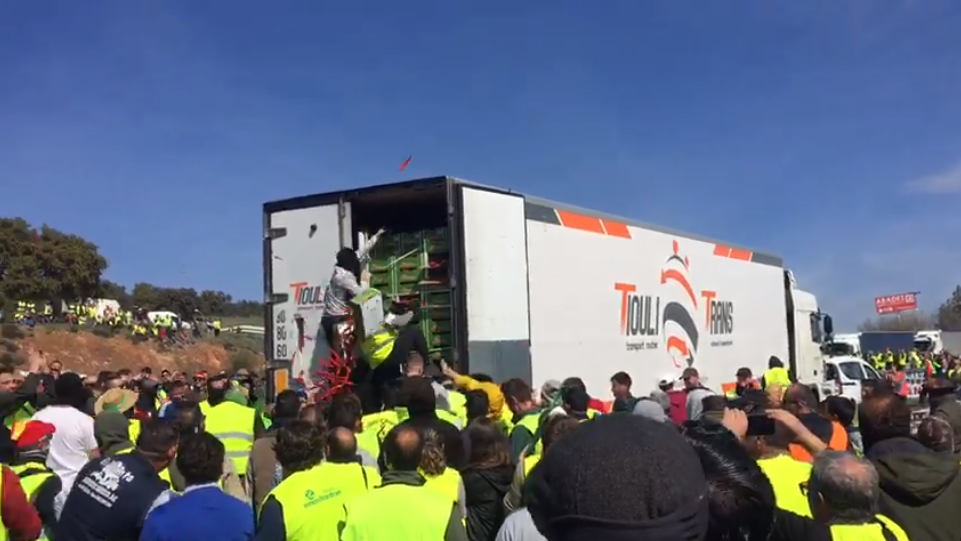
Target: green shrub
pixel 12 360
pixel 244 359
pixel 12 331
pixel 9 345
pixel 103 332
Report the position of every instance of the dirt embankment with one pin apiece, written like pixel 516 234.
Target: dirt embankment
pixel 88 353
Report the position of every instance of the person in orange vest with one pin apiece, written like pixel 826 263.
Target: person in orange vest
pixel 745 381
pixel 800 400
pixel 899 381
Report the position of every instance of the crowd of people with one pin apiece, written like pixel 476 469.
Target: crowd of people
pixel 140 323
pixel 459 457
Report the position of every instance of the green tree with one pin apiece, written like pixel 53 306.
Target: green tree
pixel 117 292
pixel 46 265
pixel 949 313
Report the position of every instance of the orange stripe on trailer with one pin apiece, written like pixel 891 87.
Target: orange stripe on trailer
pixel 579 221
pixel 616 229
pixel 732 253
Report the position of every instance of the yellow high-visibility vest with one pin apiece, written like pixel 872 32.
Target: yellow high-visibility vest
pixel 397 511
pixel 313 500
pixel 233 425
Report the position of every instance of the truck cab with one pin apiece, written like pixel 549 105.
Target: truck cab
pixel 843 376
pixel 804 332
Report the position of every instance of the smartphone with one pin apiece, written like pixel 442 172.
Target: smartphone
pixel 760 425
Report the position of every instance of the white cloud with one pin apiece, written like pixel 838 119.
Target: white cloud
pixel 942 183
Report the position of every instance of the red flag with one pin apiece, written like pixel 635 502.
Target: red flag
pixel 403 166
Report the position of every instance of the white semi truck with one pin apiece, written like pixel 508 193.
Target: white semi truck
pixel 545 290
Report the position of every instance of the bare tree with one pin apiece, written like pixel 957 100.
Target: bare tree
pixel 905 321
pixel 949 314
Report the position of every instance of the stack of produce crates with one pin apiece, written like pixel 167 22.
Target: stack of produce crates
pixel 413 268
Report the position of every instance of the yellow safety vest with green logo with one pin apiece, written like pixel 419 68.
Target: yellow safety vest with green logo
pixel 313 500
pixel 3 527
pixel 380 423
pixel 447 483
pixel 233 425
pixel 397 511
pixel 378 346
pixel 530 462
pixel 873 531
pixel 786 476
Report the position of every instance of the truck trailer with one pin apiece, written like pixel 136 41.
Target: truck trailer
pixel 513 285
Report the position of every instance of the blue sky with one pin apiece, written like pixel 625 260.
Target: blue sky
pixel 826 131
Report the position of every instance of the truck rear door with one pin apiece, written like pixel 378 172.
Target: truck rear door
pixel 496 275
pixel 300 247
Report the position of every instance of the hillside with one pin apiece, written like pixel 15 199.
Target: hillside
pixel 88 353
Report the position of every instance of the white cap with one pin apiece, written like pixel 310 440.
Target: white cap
pixel 667 379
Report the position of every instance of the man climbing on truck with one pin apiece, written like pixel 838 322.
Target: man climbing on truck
pixel 344 285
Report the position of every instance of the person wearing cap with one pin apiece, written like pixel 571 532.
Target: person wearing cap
pixel 236 425
pixel 121 401
pixel 200 384
pixel 745 381
pixel 695 392
pixel 39 482
pixel 112 496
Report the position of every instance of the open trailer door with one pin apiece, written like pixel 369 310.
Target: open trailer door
pixel 495 272
pixel 300 247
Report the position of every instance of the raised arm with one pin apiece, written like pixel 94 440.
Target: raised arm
pixel 364 253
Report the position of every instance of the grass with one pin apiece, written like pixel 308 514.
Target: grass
pixel 233 321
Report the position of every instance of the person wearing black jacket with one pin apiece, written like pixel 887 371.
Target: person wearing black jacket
pixel 920 488
pixel 487 479
pixel 418 396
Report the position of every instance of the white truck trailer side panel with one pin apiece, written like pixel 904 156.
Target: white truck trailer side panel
pixel 607 296
pixel 495 249
pixel 302 259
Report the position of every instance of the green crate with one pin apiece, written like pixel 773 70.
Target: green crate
pixel 380 280
pixel 436 313
pixel 435 296
pixel 435 240
pixel 414 276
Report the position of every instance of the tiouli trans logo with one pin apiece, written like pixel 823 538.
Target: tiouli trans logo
pixel 666 316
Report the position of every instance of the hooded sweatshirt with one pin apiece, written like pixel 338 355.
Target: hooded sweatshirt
pixel 112 430
pixel 920 488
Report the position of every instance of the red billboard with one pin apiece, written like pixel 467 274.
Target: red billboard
pixel 892 304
